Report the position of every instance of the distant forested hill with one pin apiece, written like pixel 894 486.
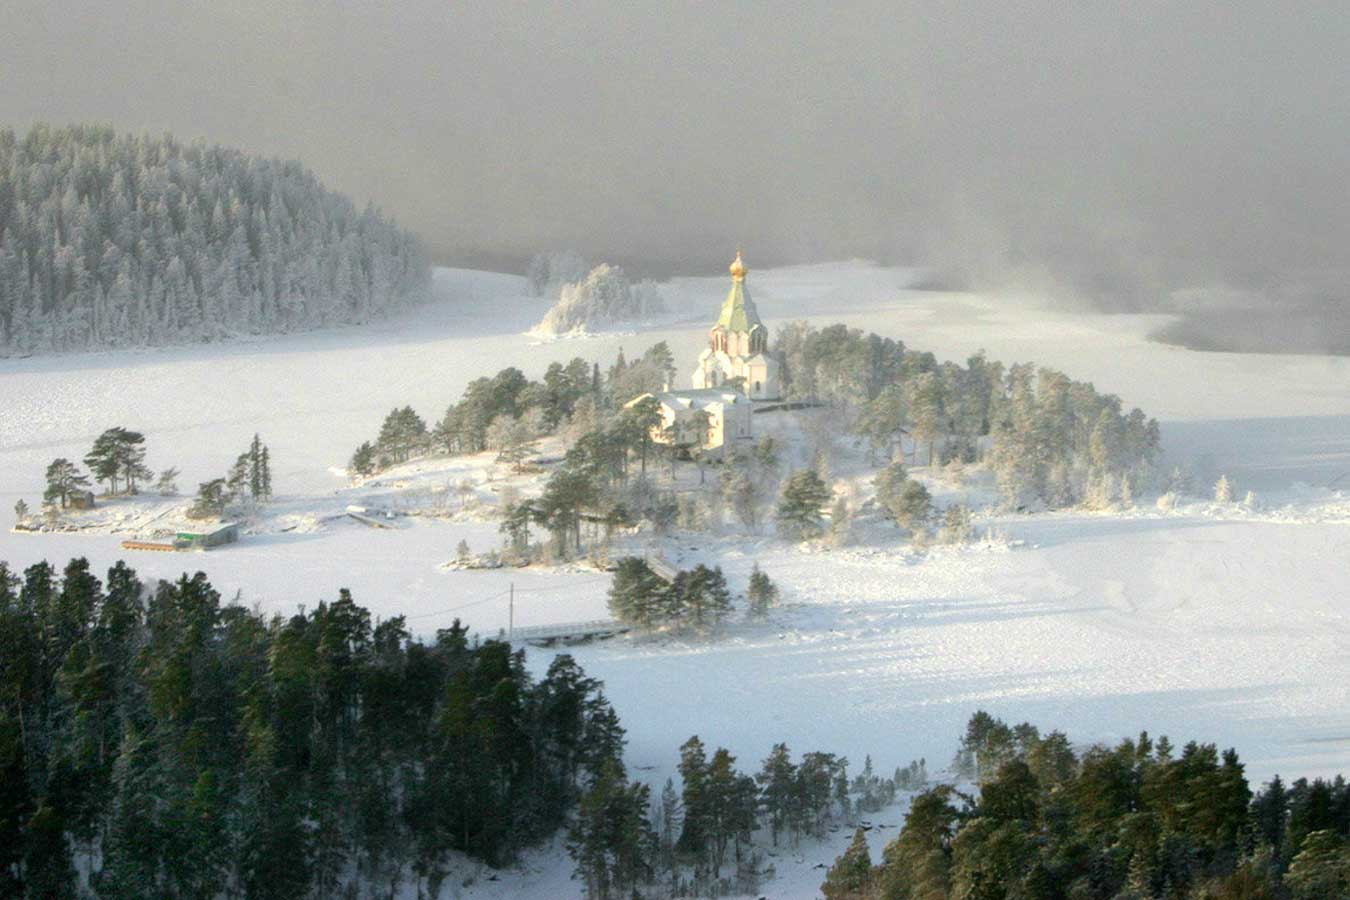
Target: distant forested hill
pixel 110 240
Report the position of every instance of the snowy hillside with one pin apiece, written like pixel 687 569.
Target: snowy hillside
pixel 111 240
pixel 1207 621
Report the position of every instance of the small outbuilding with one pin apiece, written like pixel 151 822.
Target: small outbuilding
pixel 81 500
pixel 225 533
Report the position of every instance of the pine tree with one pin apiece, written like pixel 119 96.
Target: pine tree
pixel 118 455
pixel 236 482
pixel 761 593
pixel 20 512
pixel 363 460
pixel 778 790
pixel 63 479
pixel 804 496
pixel 167 486
pixel 850 878
pixel 636 593
pixel 612 841
pixel 910 505
pixel 516 529
pixel 210 500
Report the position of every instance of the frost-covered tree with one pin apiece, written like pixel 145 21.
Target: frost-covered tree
pixel 605 296
pixel 1223 490
pixel 546 273
pixel 111 240
pixel 956 526
pixel 904 499
pixel 20 511
pixel 841 522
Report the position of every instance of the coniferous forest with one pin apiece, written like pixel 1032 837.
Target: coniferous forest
pixel 111 240
pixel 159 743
pixel 155 742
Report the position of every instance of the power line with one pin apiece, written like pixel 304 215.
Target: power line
pixel 442 612
pixel 501 594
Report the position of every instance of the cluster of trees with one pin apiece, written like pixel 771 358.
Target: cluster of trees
pixel 109 240
pixel 696 597
pixel 1132 822
pixel 604 297
pixel 708 824
pixel 249 482
pixel 172 746
pixel 116 460
pixel 508 412
pixel 1051 441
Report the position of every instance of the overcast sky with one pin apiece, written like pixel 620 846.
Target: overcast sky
pixel 1109 148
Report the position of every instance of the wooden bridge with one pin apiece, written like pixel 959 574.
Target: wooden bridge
pixel 567 632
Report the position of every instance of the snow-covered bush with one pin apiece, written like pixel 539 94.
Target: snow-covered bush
pixel 1167 501
pixel 603 297
pixel 956 526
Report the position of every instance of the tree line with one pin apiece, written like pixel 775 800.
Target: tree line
pixel 155 741
pixel 1051 441
pixel 111 240
pixel 701 839
pixel 1137 821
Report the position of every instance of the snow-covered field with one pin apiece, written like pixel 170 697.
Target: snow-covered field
pixel 1206 622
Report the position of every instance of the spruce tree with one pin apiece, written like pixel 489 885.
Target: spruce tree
pixel 799 510
pixel 850 878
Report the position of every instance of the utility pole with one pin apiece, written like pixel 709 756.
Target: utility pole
pixel 511 614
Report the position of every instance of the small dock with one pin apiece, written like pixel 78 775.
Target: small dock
pixel 159 546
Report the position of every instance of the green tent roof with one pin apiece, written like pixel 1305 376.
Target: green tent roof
pixel 738 310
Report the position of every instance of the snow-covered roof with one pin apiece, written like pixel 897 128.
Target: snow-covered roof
pixel 695 398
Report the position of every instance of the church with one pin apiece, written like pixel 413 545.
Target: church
pixel 738 346
pixel 734 372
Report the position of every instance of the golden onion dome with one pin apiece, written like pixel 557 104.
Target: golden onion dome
pixel 738 269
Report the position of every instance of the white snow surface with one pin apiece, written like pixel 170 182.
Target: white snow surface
pixel 1210 622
